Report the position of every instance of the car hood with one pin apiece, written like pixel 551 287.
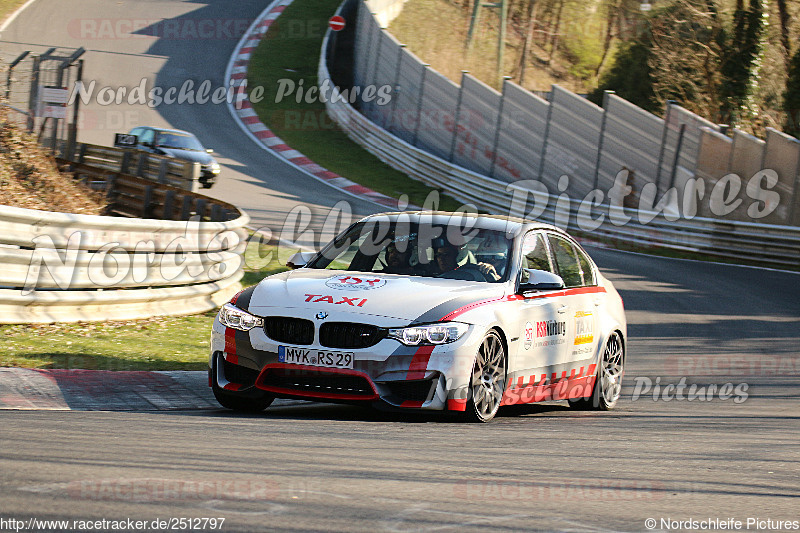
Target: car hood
pixel 408 299
pixel 204 158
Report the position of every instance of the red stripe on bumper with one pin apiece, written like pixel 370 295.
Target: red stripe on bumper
pixel 230 346
pixel 419 363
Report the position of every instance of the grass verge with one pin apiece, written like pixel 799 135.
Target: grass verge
pixel 160 343
pixel 7 7
pixel 291 51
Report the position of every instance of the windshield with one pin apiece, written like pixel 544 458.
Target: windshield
pixel 179 141
pixel 426 250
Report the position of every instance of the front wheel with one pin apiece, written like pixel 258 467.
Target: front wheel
pixel 241 403
pixel 488 380
pixel 608 383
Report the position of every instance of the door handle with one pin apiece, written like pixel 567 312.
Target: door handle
pixel 598 301
pixel 562 309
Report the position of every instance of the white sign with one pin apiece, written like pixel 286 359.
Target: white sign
pixel 55 95
pixel 54 111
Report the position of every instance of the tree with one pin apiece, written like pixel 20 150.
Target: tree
pixel 783 16
pixel 687 39
pixel 791 98
pixel 742 59
pixel 630 76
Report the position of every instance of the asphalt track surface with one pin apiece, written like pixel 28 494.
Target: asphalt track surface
pixel 323 467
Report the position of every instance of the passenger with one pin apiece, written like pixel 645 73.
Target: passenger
pixel 397 261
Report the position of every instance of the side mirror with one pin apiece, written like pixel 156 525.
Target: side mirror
pixel 300 260
pixel 541 280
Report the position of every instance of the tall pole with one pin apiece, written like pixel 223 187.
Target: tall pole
pixel 476 16
pixel 501 42
pixel 73 133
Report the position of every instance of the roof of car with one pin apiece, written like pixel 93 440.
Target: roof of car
pixel 165 130
pixel 482 221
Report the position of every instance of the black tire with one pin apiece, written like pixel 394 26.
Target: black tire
pixel 488 380
pixel 608 383
pixel 241 404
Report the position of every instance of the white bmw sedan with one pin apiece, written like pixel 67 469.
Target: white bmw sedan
pixel 424 310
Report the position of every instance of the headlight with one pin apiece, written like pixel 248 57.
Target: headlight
pixel 233 317
pixel 441 333
pixel 215 168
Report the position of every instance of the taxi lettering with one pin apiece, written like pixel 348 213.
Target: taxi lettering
pixel 319 298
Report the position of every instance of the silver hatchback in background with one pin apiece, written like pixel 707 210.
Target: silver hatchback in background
pixel 180 145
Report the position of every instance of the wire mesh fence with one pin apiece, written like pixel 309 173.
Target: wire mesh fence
pixel 37 90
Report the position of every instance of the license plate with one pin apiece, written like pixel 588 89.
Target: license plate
pixel 312 357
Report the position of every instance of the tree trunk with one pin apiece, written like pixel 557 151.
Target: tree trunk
pixel 526 46
pixel 611 21
pixel 783 15
pixel 554 41
pixel 547 23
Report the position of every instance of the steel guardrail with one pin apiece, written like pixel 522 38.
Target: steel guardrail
pixel 60 267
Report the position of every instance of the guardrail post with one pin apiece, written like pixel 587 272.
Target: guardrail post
pixel 458 112
pixel 111 186
pixel 216 213
pixel 125 162
pixel 374 80
pixel 186 208
pixel 82 153
pixel 661 152
pixel 419 101
pixel 169 205
pixel 141 164
pixel 191 173
pixel 200 208
pixel 546 134
pixel 396 83
pixel 147 201
pixel 498 126
pixel 678 148
pixel 606 96
pixel 162 170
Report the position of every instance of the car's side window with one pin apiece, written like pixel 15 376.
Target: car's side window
pixel 534 254
pixel 147 136
pixel 586 268
pixel 569 267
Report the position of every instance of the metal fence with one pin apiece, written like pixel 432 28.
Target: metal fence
pixel 515 135
pixel 36 87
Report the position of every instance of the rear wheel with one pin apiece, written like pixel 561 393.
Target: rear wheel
pixel 242 404
pixel 488 380
pixel 608 384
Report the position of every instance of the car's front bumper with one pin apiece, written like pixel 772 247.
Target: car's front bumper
pixel 424 377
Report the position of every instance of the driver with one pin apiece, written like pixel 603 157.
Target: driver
pixel 446 256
